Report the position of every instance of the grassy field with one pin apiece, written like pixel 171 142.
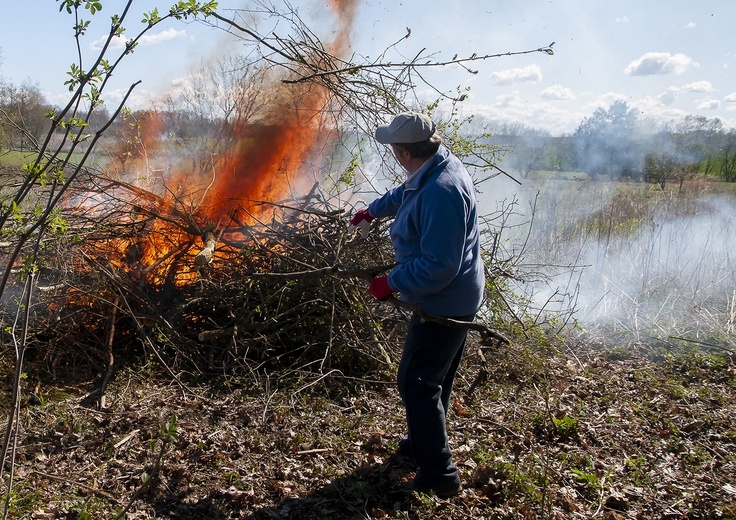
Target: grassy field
pixel 629 255
pixel 16 159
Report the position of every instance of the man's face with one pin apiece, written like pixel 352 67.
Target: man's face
pixel 402 156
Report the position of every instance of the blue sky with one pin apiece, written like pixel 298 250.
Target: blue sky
pixel 667 59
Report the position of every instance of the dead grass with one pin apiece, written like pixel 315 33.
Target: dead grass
pixel 638 431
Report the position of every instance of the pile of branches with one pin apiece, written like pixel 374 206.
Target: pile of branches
pixel 288 292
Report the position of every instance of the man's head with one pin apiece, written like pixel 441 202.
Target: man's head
pixel 412 132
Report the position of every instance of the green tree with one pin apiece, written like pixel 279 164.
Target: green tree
pixel 695 136
pixel 560 153
pixel 606 142
pixel 727 156
pixel 526 146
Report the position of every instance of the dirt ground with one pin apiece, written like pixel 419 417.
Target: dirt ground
pixel 637 431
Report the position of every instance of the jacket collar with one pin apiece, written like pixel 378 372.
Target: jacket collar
pixel 415 180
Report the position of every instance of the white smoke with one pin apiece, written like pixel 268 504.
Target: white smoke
pixel 672 271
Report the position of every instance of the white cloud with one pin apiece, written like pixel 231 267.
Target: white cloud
pixel 558 93
pixel 163 36
pixel 513 108
pixel 672 93
pixel 507 100
pixel 118 42
pixel 606 99
pixel 691 25
pixel 698 86
pixel 668 96
pixel 659 63
pixel 655 109
pixel 530 74
pixel 709 104
pixel 731 98
pixel 623 19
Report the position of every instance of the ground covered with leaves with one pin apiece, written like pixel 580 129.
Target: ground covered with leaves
pixel 583 431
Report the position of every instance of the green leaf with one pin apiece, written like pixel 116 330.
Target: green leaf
pixel 68 4
pixel 169 430
pixel 151 18
pixel 15 210
pixel 93 6
pixel 56 223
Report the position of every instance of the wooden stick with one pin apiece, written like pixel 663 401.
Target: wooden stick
pixel 205 256
pixel 110 356
pixel 209 335
pixel 81 486
pixel 310 452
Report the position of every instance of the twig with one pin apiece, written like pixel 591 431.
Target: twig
pixel 487 332
pixel 311 452
pixel 704 344
pixel 110 355
pixel 415 64
pixel 126 439
pixel 84 487
pixel 482 376
pixel 486 420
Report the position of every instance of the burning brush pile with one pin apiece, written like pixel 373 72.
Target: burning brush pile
pixel 215 270
pixel 218 254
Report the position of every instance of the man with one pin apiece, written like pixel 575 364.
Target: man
pixel 440 271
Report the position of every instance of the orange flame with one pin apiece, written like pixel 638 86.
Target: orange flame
pixel 266 159
pixel 263 165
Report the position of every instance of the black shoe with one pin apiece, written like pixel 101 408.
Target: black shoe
pixel 405 447
pixel 444 491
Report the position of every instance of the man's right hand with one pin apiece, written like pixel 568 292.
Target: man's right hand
pixel 362 221
pixel 380 288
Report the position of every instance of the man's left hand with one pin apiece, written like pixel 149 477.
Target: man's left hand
pixel 380 288
pixel 362 221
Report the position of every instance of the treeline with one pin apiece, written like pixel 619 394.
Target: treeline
pixel 615 143
pixel 612 143
pixel 25 119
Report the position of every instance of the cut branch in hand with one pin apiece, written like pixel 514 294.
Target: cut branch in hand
pixel 489 335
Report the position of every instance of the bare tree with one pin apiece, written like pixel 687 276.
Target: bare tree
pixel 663 168
pixel 526 146
pixel 23 113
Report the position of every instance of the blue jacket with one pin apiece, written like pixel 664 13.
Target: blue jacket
pixel 436 239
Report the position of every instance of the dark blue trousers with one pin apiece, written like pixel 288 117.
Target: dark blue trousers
pixel 430 360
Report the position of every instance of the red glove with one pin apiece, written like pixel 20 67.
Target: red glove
pixel 380 288
pixel 360 216
pixel 361 220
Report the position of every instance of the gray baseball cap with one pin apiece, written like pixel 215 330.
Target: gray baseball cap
pixel 409 127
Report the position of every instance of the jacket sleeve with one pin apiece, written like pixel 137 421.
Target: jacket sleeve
pixel 443 222
pixel 388 204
